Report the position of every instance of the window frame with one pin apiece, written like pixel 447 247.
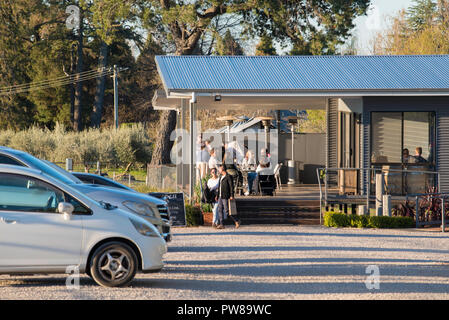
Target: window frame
pixel 65 194
pixel 433 139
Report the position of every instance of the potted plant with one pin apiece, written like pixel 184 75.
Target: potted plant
pixel 206 209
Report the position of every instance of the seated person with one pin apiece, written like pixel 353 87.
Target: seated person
pixel 249 162
pixel 264 168
pixel 406 158
pixel 418 156
pixel 264 154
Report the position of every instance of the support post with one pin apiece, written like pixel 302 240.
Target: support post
pixel 115 77
pixel 417 211
pixel 386 204
pixel 379 193
pixel 443 213
pixel 191 149
pixel 69 164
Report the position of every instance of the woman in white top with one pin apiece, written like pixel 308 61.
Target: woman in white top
pixel 213 183
pixel 249 161
pixel 213 161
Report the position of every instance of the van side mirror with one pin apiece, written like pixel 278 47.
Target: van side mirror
pixel 66 209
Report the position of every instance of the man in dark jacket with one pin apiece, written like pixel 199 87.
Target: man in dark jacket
pixel 224 194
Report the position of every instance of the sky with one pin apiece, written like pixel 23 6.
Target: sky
pixel 375 21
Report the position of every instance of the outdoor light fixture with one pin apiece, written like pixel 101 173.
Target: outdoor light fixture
pixel 266 121
pixel 229 120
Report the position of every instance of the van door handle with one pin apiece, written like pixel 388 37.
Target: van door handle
pixel 8 221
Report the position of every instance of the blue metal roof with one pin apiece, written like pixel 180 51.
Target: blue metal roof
pixel 303 73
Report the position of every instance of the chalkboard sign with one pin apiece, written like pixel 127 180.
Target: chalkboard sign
pixel 176 206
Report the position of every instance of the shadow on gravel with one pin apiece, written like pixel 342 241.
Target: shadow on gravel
pixel 218 249
pixel 255 288
pixel 332 270
pixel 296 260
pixel 32 281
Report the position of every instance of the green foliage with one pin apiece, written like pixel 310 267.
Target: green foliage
pixel 193 216
pixel 265 46
pixel 206 207
pixel 314 122
pixel 423 29
pixel 120 147
pixel 341 220
pixel 421 14
pixel 228 46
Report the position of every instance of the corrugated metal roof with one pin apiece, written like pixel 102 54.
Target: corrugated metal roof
pixel 290 73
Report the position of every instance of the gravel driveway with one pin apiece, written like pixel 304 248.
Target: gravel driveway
pixel 274 262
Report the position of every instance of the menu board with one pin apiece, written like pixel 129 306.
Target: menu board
pixel 176 206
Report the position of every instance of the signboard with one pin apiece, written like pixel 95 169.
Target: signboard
pixel 176 206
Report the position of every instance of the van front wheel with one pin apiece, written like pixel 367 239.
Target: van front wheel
pixel 113 264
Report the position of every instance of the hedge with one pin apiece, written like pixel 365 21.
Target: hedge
pixel 341 220
pixel 193 216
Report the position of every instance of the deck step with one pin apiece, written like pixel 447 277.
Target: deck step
pixel 278 211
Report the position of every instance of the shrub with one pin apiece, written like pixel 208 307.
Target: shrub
pixel 332 219
pixel 193 216
pixel 123 147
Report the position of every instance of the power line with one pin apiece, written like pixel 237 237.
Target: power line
pixel 56 82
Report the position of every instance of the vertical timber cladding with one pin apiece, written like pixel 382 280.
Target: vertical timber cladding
pixel 442 147
pixel 332 136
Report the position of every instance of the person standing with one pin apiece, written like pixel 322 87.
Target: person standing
pixel 225 193
pixel 213 161
pixel 213 184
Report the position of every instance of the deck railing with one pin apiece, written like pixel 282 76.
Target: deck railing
pixel 365 180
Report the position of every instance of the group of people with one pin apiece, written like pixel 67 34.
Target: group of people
pixel 417 158
pixel 221 186
pixel 224 171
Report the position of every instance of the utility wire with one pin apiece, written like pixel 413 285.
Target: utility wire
pixel 56 82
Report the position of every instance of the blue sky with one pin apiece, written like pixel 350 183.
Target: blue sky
pixel 367 26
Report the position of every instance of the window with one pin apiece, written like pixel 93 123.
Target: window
pixel 402 137
pixel 21 193
pixel 7 160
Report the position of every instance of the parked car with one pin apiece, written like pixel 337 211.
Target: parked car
pixel 91 178
pixel 47 226
pixel 150 208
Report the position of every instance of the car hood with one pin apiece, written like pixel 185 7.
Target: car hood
pixel 113 195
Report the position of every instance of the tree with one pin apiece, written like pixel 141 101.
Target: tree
pixel 305 23
pixel 314 122
pixel 421 14
pixel 423 29
pixel 265 46
pixel 228 46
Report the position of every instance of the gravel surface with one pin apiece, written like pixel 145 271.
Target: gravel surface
pixel 274 262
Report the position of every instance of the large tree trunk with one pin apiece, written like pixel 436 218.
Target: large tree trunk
pixel 78 86
pixel 101 84
pixel 167 123
pixel 161 153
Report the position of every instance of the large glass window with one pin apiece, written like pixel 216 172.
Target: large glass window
pixel 402 137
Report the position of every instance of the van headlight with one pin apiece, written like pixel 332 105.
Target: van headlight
pixel 139 208
pixel 144 228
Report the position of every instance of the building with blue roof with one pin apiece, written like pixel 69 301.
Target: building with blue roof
pixel 385 112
